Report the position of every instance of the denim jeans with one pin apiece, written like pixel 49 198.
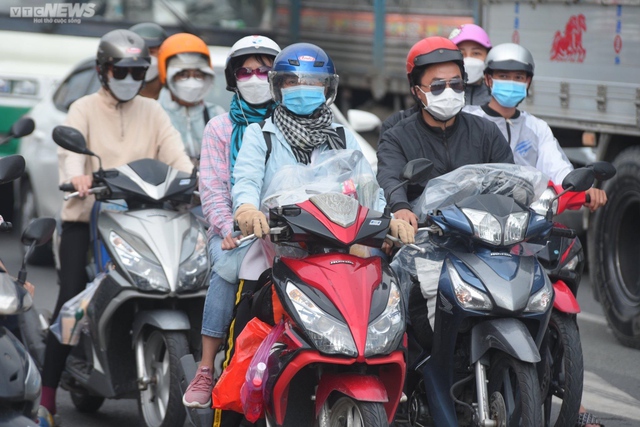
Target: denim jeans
pixel 218 306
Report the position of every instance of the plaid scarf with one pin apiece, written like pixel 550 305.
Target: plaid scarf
pixel 306 133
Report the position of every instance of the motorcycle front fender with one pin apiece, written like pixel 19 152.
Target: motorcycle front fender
pixel 508 335
pixel 365 388
pixel 564 300
pixel 165 320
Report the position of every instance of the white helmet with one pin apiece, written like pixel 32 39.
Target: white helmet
pixel 249 45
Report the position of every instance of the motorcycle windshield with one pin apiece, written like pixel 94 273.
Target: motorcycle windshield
pixel 525 184
pixel 332 171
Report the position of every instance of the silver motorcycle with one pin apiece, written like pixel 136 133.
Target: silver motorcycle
pixel 150 258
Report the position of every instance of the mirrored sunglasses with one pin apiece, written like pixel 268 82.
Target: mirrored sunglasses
pixel 244 73
pixel 439 86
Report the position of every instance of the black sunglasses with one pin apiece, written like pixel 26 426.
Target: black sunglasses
pixel 137 73
pixel 439 86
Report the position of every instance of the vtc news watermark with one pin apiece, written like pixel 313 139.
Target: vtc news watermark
pixel 54 13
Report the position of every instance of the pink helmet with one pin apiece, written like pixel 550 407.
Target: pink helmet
pixel 470 32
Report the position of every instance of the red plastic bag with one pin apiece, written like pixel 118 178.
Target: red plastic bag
pixel 253 394
pixel 226 393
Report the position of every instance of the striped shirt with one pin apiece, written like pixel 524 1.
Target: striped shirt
pixel 215 179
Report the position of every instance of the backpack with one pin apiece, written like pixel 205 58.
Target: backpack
pixel 267 139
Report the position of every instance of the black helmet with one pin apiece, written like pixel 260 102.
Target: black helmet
pixel 122 48
pixel 152 33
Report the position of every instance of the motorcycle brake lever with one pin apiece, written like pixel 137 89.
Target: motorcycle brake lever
pixel 411 245
pixel 94 190
pixel 273 231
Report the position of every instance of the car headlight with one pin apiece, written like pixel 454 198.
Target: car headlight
pixel 541 206
pixel 193 270
pixel 385 332
pixel 467 295
pixel 328 334
pixel 487 228
pixel 147 274
pixel 540 301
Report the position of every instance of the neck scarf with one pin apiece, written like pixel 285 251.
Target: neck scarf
pixel 242 114
pixel 306 133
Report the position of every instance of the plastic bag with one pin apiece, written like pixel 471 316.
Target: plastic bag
pixel 226 393
pixel 253 408
pixel 73 318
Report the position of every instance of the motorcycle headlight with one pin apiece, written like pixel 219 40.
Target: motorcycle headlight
pixel 147 274
pixel 193 270
pixel 541 206
pixel 571 264
pixel 467 295
pixel 540 301
pixel 329 335
pixel 385 332
pixel 487 228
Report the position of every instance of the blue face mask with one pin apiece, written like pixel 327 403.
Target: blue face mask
pixel 508 93
pixel 303 100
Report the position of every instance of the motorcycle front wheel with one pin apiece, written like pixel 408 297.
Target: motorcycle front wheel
pixel 564 356
pixel 518 384
pixel 347 412
pixel 161 403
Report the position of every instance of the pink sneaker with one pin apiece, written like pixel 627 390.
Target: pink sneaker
pixel 198 394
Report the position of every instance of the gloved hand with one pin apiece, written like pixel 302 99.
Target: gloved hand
pixel 402 230
pixel 251 220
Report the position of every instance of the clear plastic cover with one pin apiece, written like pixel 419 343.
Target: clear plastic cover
pixel 332 171
pixel 524 183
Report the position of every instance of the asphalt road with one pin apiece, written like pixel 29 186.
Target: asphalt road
pixel 612 372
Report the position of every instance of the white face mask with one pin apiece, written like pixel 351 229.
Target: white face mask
pixel 152 71
pixel 474 68
pixel 126 89
pixel 191 90
pixel 444 106
pixel 254 90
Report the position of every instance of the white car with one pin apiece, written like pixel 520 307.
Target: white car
pixel 39 187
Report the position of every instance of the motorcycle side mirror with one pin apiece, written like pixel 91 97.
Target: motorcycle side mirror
pixel 22 127
pixel 37 233
pixel 70 139
pixel 415 170
pixel 11 168
pixel 579 180
pixel 603 170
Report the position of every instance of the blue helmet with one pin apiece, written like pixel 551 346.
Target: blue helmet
pixel 300 64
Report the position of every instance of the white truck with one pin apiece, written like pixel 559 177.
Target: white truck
pixel 587 87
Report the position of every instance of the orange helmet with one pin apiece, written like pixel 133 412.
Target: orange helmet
pixel 177 44
pixel 433 50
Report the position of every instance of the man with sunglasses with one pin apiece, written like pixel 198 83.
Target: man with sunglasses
pixel 184 67
pixel 439 132
pixel 120 127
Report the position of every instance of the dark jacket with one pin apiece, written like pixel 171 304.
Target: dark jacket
pixel 470 140
pixel 396 118
pixel 477 94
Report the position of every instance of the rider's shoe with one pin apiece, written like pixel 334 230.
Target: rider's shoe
pixel 198 394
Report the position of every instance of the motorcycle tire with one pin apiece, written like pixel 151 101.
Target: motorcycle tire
pixel 86 403
pixel 613 249
pixel 524 403
pixel 564 354
pixel 349 412
pixel 162 353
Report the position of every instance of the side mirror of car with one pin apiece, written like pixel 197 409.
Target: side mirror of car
pixel 71 139
pixel 11 168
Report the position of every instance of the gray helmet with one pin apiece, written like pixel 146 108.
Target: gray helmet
pixel 122 48
pixel 152 33
pixel 509 57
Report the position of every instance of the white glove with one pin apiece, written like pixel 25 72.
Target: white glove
pixel 402 230
pixel 251 220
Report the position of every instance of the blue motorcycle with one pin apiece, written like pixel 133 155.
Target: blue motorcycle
pixel 479 300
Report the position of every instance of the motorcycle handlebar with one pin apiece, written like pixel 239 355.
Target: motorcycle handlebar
pixel 93 190
pixel 67 187
pixel 563 232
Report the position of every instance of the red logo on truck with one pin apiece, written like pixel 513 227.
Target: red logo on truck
pixel 567 47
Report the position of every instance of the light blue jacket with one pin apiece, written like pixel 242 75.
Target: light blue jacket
pixel 251 174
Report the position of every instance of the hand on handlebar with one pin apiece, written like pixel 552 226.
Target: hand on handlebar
pixel 596 198
pixel 251 221
pixel 402 230
pixel 82 184
pixel 230 242
pixel 408 216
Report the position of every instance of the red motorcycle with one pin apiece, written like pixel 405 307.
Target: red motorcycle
pixel 341 358
pixel 562 370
